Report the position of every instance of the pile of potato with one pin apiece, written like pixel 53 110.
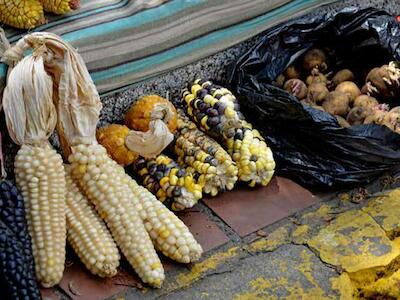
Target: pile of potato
pixel 338 94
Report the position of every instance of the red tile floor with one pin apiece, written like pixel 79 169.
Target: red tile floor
pixel 244 210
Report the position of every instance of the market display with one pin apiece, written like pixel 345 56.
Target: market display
pixel 216 111
pixel 88 234
pixel 178 151
pixel 203 157
pixel 30 14
pixel 39 172
pixel 340 95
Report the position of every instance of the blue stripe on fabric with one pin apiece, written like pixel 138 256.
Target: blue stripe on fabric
pixel 144 17
pixel 214 37
pixel 3 70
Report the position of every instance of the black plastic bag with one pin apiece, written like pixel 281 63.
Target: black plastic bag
pixel 309 145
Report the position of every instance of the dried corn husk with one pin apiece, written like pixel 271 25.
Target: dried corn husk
pixel 151 143
pixel 28 106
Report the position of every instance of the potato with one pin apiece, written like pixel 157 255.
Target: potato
pixel 317 92
pixel 349 88
pixel 384 81
pixel 292 73
pixel 366 102
pixel 315 58
pixel 342 75
pixel 377 115
pixel 316 77
pixel 296 87
pixel 342 122
pixel 279 81
pixel 337 103
pixel 356 116
pixel 392 119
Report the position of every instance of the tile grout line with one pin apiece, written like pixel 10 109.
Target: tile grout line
pixel 220 223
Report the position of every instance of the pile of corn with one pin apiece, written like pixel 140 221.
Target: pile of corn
pixel 77 201
pixel 29 14
pixel 217 112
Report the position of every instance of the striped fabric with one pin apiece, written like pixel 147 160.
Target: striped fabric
pixel 124 41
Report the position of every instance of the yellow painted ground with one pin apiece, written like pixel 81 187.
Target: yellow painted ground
pixel 362 244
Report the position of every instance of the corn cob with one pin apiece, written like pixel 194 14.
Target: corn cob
pixel 17 271
pixel 112 137
pixel 169 234
pixel 216 111
pixel 17 281
pixel 39 174
pixel 160 175
pixel 87 233
pixel 99 177
pixel 31 118
pixel 22 14
pixel 149 108
pixel 167 180
pixel 203 157
pixel 60 7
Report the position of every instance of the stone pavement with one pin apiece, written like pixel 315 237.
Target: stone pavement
pixel 342 246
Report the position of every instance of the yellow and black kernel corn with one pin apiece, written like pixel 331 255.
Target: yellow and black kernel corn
pixel 17 272
pixel 204 158
pixel 163 177
pixel 216 111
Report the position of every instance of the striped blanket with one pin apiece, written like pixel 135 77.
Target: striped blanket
pixel 126 41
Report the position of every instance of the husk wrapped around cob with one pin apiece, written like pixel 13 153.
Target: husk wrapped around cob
pixel 102 180
pixel 216 111
pixel 31 118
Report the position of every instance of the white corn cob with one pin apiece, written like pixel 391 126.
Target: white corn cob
pixel 169 234
pixel 87 233
pixel 39 174
pixel 98 176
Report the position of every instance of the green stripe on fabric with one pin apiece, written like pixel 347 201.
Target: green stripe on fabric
pixel 136 20
pixel 215 37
